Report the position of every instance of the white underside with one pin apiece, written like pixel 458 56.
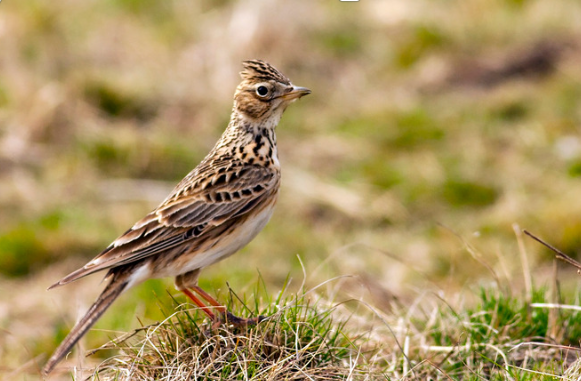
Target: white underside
pixel 140 274
pixel 230 244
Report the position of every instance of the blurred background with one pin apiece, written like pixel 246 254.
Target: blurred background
pixel 433 128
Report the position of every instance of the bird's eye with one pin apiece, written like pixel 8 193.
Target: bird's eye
pixel 262 91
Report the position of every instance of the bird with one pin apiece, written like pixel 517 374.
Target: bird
pixel 218 208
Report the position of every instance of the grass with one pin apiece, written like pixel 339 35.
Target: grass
pixel 490 334
pixel 299 340
pixel 430 128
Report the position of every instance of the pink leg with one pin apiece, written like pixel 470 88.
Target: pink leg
pixel 208 298
pixel 226 315
pixel 199 303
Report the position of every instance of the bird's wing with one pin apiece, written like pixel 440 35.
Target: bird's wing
pixel 197 204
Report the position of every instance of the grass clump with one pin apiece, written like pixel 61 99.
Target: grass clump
pixel 502 337
pixel 495 336
pixel 298 341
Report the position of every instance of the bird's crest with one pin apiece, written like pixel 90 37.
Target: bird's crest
pixel 258 70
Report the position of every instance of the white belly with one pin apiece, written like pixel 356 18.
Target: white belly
pixel 231 243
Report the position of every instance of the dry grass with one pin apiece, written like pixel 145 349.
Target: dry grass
pixel 489 334
pixel 433 127
pixel 299 341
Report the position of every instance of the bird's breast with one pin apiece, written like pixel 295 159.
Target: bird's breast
pixel 261 151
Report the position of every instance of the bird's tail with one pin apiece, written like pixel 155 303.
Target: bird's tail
pixel 115 287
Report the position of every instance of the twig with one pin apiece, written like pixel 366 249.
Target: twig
pixel 560 255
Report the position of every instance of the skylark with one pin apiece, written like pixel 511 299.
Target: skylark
pixel 212 213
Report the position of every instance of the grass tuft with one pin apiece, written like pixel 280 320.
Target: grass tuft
pixel 501 338
pixel 497 336
pixel 299 340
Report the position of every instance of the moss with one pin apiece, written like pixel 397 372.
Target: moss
pixel 570 235
pixel 574 169
pixel 4 96
pixel 109 155
pixel 116 103
pixel 153 10
pixel 22 249
pixel 401 130
pixel 381 173
pixel 460 193
pixel 421 40
pixel 512 111
pixel 343 42
pixel 416 127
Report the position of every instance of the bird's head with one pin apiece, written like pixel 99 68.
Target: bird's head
pixel 264 92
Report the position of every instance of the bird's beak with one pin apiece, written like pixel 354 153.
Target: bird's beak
pixel 295 93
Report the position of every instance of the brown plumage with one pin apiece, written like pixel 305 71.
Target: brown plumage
pixel 213 212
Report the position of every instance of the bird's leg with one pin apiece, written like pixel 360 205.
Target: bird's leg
pixel 199 303
pixel 208 298
pixel 189 280
pixel 227 316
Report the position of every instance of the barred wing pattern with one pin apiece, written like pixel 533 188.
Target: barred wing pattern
pixel 194 208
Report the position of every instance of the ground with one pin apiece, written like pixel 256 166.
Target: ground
pixel 435 132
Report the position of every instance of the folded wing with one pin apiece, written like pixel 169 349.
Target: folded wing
pixel 192 209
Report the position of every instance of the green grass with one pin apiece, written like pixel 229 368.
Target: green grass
pixel 299 339
pixel 419 138
pixel 495 336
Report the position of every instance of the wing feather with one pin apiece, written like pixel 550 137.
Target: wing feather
pixel 188 213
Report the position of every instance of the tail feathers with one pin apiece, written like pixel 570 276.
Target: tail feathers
pixel 88 269
pixel 77 274
pixel 107 297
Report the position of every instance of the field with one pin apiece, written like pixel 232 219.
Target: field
pixel 435 132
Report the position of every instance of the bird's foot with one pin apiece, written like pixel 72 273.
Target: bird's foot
pixel 228 318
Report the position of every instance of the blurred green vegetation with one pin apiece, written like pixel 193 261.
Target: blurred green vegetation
pixel 430 129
